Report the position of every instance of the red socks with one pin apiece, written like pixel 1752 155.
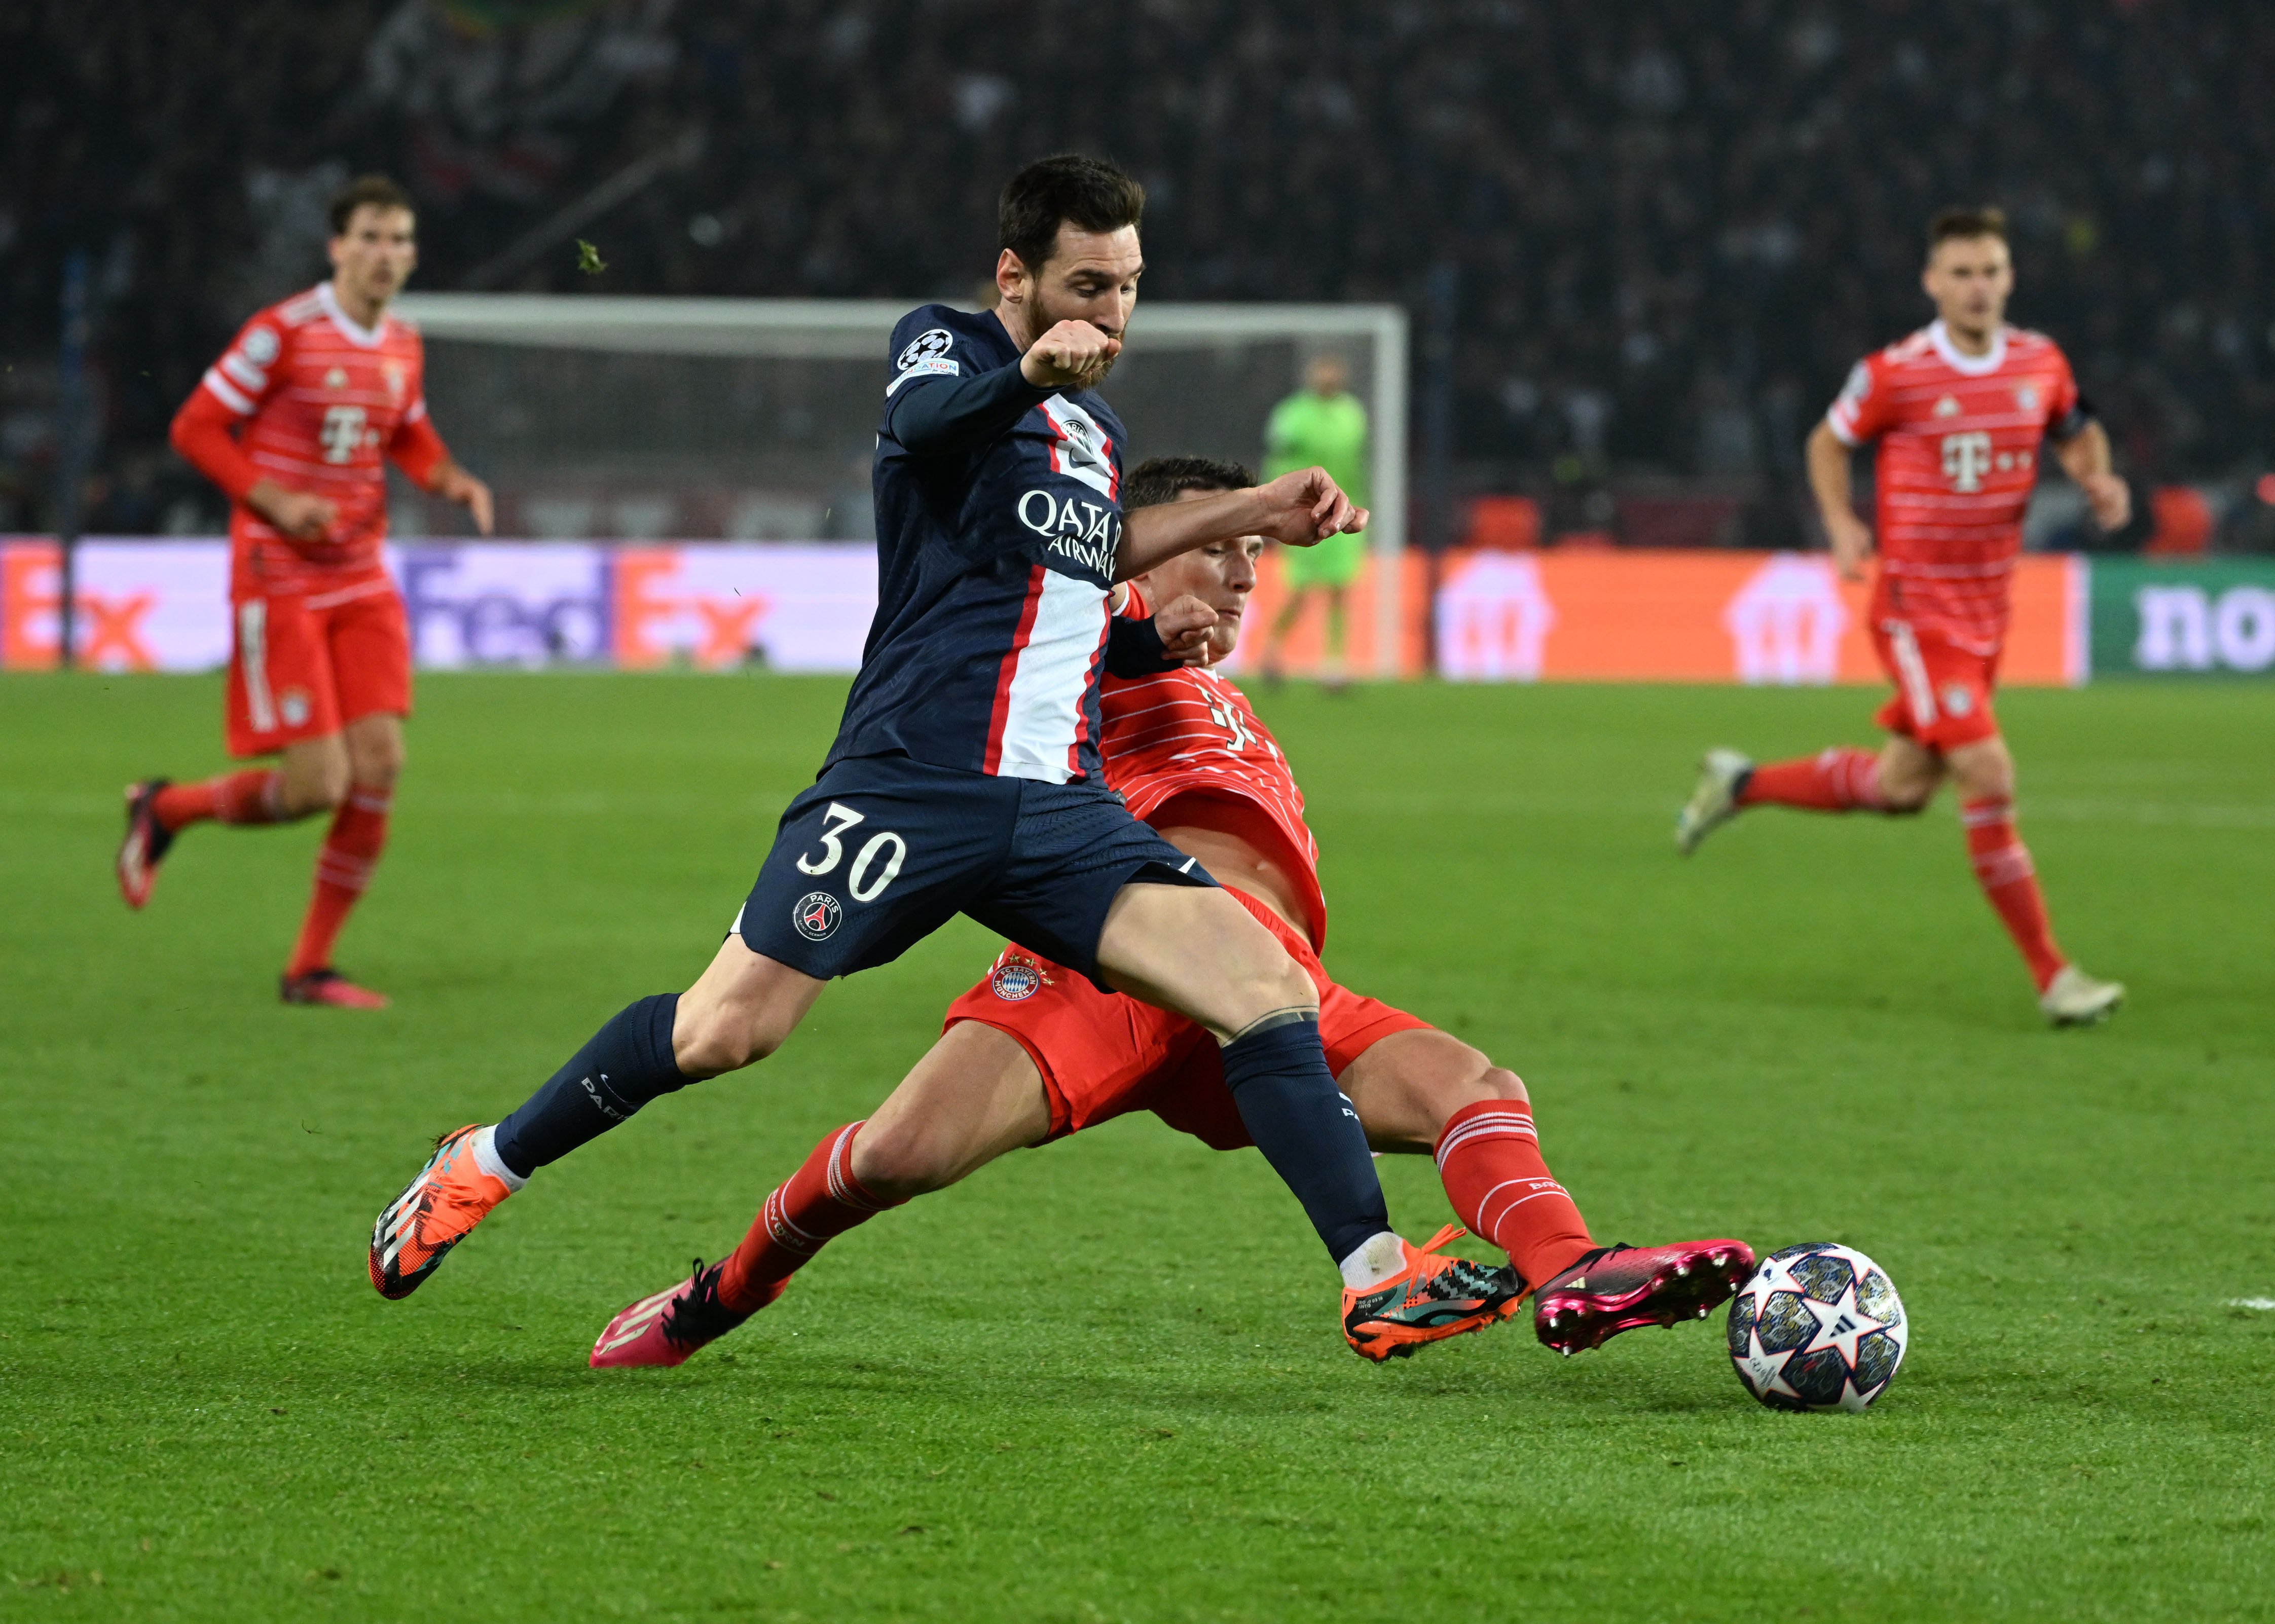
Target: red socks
pixel 818 1203
pixel 2008 878
pixel 1489 1159
pixel 1841 779
pixel 344 865
pixel 255 796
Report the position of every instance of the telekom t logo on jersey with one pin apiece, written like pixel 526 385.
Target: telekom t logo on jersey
pixel 343 432
pixel 1966 459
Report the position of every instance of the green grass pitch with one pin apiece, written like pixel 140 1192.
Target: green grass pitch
pixel 1102 1380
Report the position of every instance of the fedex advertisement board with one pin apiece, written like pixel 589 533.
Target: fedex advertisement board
pixel 163 606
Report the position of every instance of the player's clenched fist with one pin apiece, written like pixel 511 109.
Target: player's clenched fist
pixel 1306 507
pixel 1073 355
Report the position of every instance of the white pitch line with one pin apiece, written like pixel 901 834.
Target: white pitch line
pixel 2257 1302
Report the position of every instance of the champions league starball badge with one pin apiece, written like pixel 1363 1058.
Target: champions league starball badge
pixel 817 915
pixel 1016 980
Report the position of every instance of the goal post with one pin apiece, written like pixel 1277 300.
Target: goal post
pixel 755 417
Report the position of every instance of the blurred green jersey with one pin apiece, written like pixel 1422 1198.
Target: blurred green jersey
pixel 1329 430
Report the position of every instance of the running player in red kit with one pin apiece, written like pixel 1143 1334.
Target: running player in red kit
pixel 1036 1051
pixel 1960 409
pixel 296 422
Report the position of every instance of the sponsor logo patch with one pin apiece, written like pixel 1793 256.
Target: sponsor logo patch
pixel 1947 407
pixel 337 378
pixel 292 704
pixel 2027 399
pixel 260 346
pixel 927 347
pixel 1017 980
pixel 1957 699
pixel 817 915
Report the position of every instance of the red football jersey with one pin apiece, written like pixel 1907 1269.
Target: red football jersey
pixel 1960 438
pixel 323 401
pixel 1189 731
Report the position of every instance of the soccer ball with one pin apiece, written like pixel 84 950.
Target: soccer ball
pixel 1818 1327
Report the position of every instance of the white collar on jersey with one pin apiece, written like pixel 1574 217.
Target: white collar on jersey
pixel 362 338
pixel 1970 366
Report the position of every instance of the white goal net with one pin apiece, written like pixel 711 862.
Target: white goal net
pixel 684 419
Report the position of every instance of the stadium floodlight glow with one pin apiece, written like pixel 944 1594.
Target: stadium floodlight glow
pixel 855 330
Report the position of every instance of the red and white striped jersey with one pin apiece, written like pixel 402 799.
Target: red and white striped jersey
pixel 1188 732
pixel 323 402
pixel 1960 443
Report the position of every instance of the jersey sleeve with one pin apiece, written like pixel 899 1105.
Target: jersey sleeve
pixel 200 433
pixel 2067 413
pixel 417 449
pixel 246 374
pixel 1860 412
pixel 936 406
pixel 1279 455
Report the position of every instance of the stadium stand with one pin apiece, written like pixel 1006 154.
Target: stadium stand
pixel 1669 243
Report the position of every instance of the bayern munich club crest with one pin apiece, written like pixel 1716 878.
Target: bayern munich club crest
pixel 1016 980
pixel 817 915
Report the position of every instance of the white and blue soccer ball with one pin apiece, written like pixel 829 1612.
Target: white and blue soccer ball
pixel 1818 1327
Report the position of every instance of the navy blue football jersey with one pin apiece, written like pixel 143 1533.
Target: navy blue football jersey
pixel 995 553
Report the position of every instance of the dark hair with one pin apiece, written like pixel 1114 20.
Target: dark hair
pixel 1089 193
pixel 1164 479
pixel 1963 223
pixel 366 191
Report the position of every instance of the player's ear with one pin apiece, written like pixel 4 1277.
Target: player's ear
pixel 1012 279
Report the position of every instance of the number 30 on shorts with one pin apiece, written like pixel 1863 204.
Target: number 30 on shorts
pixel 861 884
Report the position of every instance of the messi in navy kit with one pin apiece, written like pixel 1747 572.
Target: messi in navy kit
pixel 965 775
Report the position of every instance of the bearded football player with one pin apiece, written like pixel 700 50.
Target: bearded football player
pixel 965 776
pixel 1961 412
pixel 1036 1051
pixel 295 423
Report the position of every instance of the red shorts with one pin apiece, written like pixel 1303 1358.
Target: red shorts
pixel 1943 691
pixel 305 664
pixel 1104 1056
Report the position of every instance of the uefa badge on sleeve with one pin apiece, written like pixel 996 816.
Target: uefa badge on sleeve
pixel 817 915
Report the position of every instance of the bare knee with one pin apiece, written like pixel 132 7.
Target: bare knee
pixel 314 786
pixel 1269 989
pixel 712 1038
pixel 893 1160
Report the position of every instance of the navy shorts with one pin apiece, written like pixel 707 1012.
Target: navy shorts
pixel 883 850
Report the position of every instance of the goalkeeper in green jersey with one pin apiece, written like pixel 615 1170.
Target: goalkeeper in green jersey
pixel 1321 425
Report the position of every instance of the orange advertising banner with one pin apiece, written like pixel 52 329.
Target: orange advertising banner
pixel 1710 618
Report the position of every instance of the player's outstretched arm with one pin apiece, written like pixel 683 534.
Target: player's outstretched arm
pixel 1851 538
pixel 2085 458
pixel 1301 508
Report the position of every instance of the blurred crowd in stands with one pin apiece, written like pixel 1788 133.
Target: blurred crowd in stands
pixel 1645 241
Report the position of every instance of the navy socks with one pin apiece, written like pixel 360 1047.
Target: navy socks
pixel 1307 1131
pixel 627 1063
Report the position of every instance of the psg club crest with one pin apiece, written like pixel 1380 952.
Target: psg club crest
pixel 1017 980
pixel 817 915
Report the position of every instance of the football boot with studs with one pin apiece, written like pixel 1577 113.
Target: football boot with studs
pixel 1616 1289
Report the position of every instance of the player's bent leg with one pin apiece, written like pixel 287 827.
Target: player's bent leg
pixel 1984 772
pixel 1201 953
pixel 158 809
pixel 1907 774
pixel 371 750
pixel 1489 1158
pixel 741 1009
pixel 974 1096
pixel 744 1005
pixel 1427 1089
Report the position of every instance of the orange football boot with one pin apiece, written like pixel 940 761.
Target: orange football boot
pixel 438 1209
pixel 1430 1299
